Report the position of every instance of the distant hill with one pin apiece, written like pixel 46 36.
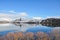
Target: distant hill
pixel 51 22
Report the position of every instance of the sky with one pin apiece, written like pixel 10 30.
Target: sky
pixel 29 8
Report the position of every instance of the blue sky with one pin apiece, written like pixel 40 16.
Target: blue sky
pixel 33 8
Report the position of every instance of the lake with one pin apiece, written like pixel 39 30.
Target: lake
pixel 24 31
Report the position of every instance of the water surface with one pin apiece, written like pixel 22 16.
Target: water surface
pixel 26 28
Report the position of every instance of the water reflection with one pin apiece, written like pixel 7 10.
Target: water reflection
pixel 24 27
pixel 25 24
pixel 23 31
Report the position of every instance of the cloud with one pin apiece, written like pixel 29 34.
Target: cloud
pixel 5 15
pixel 13 15
pixel 12 11
pixel 22 14
pixel 37 18
pixel 5 19
pixel 53 16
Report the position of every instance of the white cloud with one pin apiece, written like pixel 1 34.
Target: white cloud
pixel 53 16
pixel 13 15
pixel 37 18
pixel 12 11
pixel 5 19
pixel 3 15
pixel 22 14
pixel 6 16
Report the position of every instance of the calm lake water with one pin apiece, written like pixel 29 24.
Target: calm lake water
pixel 34 28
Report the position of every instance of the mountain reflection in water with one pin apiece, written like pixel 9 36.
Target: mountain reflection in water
pixel 22 31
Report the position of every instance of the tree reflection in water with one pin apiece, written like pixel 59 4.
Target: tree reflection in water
pixel 25 24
